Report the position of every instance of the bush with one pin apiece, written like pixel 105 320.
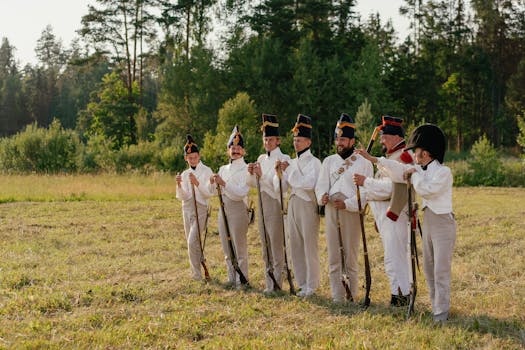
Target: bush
pixel 144 157
pixel 484 167
pixel 96 155
pixel 513 173
pixel 485 164
pixel 40 150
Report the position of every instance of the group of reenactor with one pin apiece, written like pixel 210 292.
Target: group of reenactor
pixel 339 187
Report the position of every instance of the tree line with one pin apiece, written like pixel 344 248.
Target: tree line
pixel 144 73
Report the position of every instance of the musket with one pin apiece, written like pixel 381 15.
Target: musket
pixel 368 276
pixel 373 138
pixel 413 249
pixel 233 256
pixel 344 275
pixel 208 214
pixel 269 264
pixel 203 259
pixel 288 272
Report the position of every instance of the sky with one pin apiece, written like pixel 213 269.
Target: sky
pixel 22 21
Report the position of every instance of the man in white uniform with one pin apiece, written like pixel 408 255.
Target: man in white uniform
pixel 433 182
pixel 301 175
pixel 194 181
pixel 232 180
pixel 391 224
pixel 271 226
pixel 335 189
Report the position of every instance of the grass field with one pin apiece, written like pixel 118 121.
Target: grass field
pixel 100 262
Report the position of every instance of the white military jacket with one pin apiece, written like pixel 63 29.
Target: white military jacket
pixel 301 174
pixel 267 162
pixel 202 193
pixel 235 176
pixel 336 175
pixel 380 188
pixel 434 185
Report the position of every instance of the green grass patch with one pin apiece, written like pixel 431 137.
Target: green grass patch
pixel 110 270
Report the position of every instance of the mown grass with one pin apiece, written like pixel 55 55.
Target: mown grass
pixel 110 270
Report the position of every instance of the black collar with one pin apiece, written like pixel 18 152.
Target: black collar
pixel 301 152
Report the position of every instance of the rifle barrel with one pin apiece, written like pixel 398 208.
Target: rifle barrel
pixel 368 276
pixel 288 272
pixel 413 250
pixel 203 259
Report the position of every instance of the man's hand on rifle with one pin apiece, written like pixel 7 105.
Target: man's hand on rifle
pixel 255 169
pixel 193 180
pixel 325 199
pixel 218 180
pixel 339 204
pixel 281 166
pixel 408 173
pixel 366 155
pixel 359 179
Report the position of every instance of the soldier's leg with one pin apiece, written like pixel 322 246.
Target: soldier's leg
pixel 351 239
pixel 334 257
pixel 296 243
pixel 310 228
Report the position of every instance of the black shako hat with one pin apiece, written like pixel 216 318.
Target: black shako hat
pixel 270 126
pixel 392 126
pixel 430 138
pixel 236 138
pixel 303 126
pixel 345 127
pixel 190 146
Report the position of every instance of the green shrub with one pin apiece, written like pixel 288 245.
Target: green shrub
pixel 461 171
pixel 485 164
pixel 513 173
pixel 40 150
pixel 143 157
pixel 96 155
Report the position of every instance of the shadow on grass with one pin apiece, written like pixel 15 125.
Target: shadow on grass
pixel 512 328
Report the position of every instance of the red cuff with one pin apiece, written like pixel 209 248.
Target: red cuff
pixel 391 215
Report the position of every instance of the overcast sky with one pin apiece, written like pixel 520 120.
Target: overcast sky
pixel 22 21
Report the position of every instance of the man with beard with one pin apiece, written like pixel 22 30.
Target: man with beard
pixel 193 181
pixel 303 222
pixel 336 190
pixel 261 175
pixel 232 179
pixel 391 219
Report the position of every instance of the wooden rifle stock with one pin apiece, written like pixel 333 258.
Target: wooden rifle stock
pixel 413 249
pixel 269 264
pixel 288 272
pixel 233 256
pixel 203 259
pixel 373 138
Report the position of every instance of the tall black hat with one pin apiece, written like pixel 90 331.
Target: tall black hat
pixel 345 127
pixel 303 126
pixel 236 138
pixel 430 138
pixel 270 126
pixel 392 126
pixel 190 146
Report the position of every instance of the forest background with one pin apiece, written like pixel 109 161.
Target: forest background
pixel 144 73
